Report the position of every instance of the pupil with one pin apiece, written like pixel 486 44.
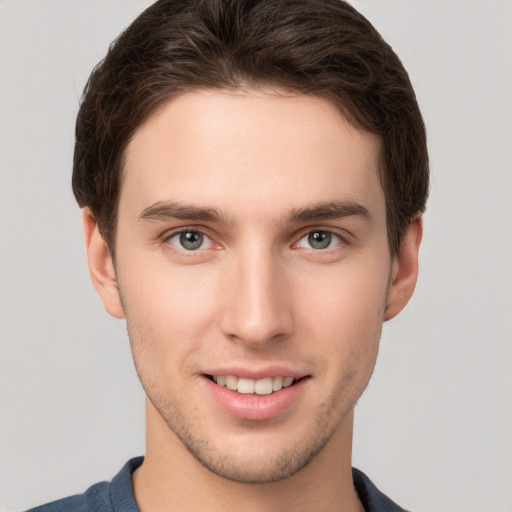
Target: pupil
pixel 191 240
pixel 319 239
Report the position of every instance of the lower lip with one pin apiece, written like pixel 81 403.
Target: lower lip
pixel 256 407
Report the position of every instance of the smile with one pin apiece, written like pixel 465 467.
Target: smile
pixel 265 386
pixel 256 397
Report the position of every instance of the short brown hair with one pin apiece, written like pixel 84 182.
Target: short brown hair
pixel 323 48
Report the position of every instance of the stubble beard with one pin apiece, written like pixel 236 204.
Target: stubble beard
pixel 251 467
pixel 245 468
pixel 248 468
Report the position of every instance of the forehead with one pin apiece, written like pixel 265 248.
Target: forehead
pixel 269 149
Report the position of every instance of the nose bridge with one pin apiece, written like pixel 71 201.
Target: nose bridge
pixel 256 309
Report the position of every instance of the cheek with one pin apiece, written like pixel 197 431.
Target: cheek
pixel 353 295
pixel 167 309
pixel 344 313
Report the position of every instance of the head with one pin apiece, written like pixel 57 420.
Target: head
pixel 322 48
pixel 253 174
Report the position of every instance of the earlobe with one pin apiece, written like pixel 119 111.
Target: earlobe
pixel 404 271
pixel 101 267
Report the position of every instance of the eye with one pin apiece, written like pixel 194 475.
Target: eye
pixel 319 240
pixel 190 240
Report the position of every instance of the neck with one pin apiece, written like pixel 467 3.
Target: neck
pixel 171 475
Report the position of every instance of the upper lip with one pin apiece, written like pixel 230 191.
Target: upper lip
pixel 257 373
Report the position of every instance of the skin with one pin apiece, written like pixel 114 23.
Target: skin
pixel 257 293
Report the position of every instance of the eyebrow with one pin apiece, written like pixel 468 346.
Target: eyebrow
pixel 169 210
pixel 331 210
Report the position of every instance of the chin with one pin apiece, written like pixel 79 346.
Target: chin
pixel 265 458
pixel 259 469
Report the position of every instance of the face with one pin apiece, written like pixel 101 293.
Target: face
pixel 254 272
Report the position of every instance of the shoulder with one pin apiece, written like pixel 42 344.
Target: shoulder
pixel 372 499
pixel 95 499
pixel 114 496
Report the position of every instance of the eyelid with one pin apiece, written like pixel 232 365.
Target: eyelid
pixel 335 238
pixel 186 229
pixel 342 234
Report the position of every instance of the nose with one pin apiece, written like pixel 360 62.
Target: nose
pixel 257 302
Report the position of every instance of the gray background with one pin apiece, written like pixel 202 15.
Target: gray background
pixel 434 429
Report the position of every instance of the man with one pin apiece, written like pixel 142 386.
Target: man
pixel 252 176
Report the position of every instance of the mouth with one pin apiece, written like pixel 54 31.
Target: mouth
pixel 246 386
pixel 256 395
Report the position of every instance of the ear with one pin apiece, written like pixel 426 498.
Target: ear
pixel 101 266
pixel 404 270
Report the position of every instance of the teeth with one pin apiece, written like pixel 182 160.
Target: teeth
pixel 277 384
pixel 246 386
pixel 264 386
pixel 287 382
pixel 232 382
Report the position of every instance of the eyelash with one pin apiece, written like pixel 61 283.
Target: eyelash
pixel 184 231
pixel 332 236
